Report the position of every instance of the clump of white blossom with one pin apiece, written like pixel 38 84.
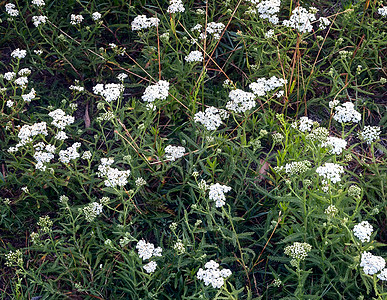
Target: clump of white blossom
pixel 140 182
pixel 319 134
pixel 263 85
pixel 370 134
pixel 76 87
pixel 298 252
pixel 194 56
pixel 70 153
pixel 304 124
pixel 175 6
pixel 363 231
pixel 324 22
pixel 346 113
pixel 142 22
pixel 330 172
pixel 114 177
pixel 371 264
pixel 19 54
pixel 38 3
pixel 147 251
pixel 383 274
pixel 150 267
pixel 92 210
pixel 110 91
pixel 331 211
pixel 60 119
pixel 76 19
pixel 158 91
pixel 38 20
pixel 335 145
pixel 213 29
pixel 301 20
pixel 267 9
pixel 174 152
pixel 297 167
pixel 241 101
pixel 354 191
pixel 382 11
pixel 217 193
pixel 14 258
pixel 211 274
pixel 96 16
pixel 211 118
pixel 10 8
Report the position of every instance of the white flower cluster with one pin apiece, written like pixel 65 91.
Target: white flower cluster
pixel 263 85
pixel 158 91
pixel 76 87
pixel 61 136
pixel 86 155
pixel 142 22
pixel 346 113
pixel 76 19
pixel 96 16
pixel 140 182
pixel 298 250
pixel 216 193
pixel 371 264
pixel 383 273
pixel 194 56
pixel 17 53
pixel 370 134
pixel 363 231
pixel 305 124
pixel 319 134
pixel 211 274
pixel 114 177
pixel 324 22
pixel 331 211
pixel 174 152
pixel 9 76
pixel 22 82
pixel 301 20
pixel 28 131
pixel 268 9
pixel 382 11
pixel 110 91
pixel 330 172
pixel 213 28
pixel 175 6
pixel 37 20
pixel 335 145
pixel 43 157
pixel 297 167
pixel 70 153
pixel 10 8
pixel 60 119
pixel 241 101
pixel 38 2
pixel 92 210
pixel 147 251
pixel 211 118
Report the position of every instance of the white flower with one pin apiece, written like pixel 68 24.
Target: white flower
pixel 331 211
pixel 76 87
pixel 363 231
pixel 24 72
pixel 9 76
pixel 147 250
pixel 174 152
pixel 158 91
pixel 370 134
pixel 175 6
pixel 241 101
pixel 22 82
pixel 297 167
pixel 96 16
pixel 305 124
pixel 346 113
pixel 70 153
pixel 194 56
pixel 28 131
pixel 37 20
pixel 25 189
pixel 76 19
pixel 324 22
pixel 10 103
pixel 61 136
pixel 150 267
pixel 268 9
pixel 301 20
pixel 60 119
pixel 211 118
pixel 114 177
pixel 213 275
pixel 122 76
pixel 330 172
pixel 41 158
pixel 142 22
pixel 140 182
pixel 383 273
pixel 110 92
pixel 269 34
pixel 336 145
pixel 298 250
pixel 263 85
pixel 216 193
pixel 371 264
pixel 382 11
pixel 10 8
pixel 86 155
pixel 38 2
pixel 333 103
pixel 38 52
pixel 92 210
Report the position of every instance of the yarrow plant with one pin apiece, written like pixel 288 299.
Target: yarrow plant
pixel 174 152
pixel 217 193
pixel 211 274
pixel 363 231
pixel 158 91
pixel 211 118
pixel 330 172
